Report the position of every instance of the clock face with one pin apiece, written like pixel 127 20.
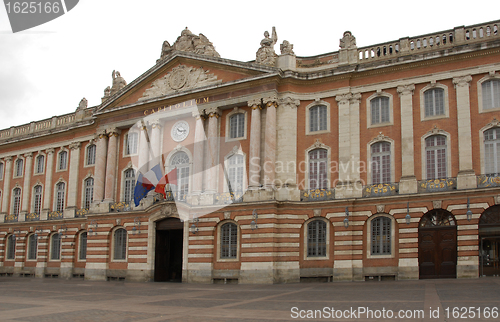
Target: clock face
pixel 180 131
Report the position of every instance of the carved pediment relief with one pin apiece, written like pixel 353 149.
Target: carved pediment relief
pixel 181 78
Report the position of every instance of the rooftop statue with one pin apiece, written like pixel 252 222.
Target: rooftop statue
pixel 190 42
pixel 266 55
pixel 118 82
pixel 286 48
pixel 83 104
pixel 348 41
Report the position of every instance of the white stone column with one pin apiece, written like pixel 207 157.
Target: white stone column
pixel 144 144
pixel 355 140
pixel 254 153
pixel 47 194
pixel 100 166
pixel 109 186
pixel 212 152
pixel 408 181
pixel 74 165
pixel 344 136
pixel 286 149
pixel 466 178
pixel 155 137
pixel 6 184
pixel 270 143
pixel 198 153
pixel 28 159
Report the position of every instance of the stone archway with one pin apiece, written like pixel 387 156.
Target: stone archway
pixel 437 245
pixel 169 250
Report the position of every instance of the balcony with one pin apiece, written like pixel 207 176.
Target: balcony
pixel 488 180
pixel 381 190
pixel 32 217
pixel 317 195
pixel 437 185
pixel 11 218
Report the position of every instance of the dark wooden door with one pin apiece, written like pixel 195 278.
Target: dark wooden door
pixel 168 251
pixel 437 252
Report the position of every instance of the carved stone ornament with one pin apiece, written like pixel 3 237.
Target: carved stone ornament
pixel 180 78
pixel 227 214
pixel 190 42
pixel 435 130
pixel 286 48
pixel 380 137
pixel 318 145
pixel 462 81
pixel 83 104
pixel 348 41
pixel 406 89
pixel 380 208
pixel 436 204
pixel 288 102
pixel 266 55
pixel 343 98
pixel 317 212
pixel 118 82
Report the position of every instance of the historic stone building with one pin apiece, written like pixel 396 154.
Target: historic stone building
pixel 373 162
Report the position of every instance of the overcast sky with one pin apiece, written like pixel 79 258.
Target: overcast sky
pixel 47 70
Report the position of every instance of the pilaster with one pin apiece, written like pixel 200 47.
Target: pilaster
pixel 28 160
pixel 198 154
pixel 100 166
pixel 408 181
pixel 47 194
pixel 6 184
pixel 270 143
pixel 212 151
pixel 254 155
pixel 74 164
pixel 109 187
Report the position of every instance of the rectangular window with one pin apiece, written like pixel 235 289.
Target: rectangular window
pixel 1 170
pixel 381 236
pixel 491 94
pixel 32 246
pixel 237 126
pixel 380 110
pixel 91 149
pixel 434 102
pixel 83 246
pixel 63 160
pixel 37 199
pixel 316 239
pixel 19 168
pixel 55 247
pixel 11 247
pixel 318 118
pixel 40 163
pixel 131 143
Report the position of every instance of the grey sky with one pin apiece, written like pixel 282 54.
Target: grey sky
pixel 47 70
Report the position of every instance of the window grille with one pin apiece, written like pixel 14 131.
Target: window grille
pixel 60 193
pixel 63 160
pixel 435 149
pixel 318 118
pixel 318 169
pixel 380 110
pixel 492 151
pixel 131 143
pixel 19 168
pixel 120 243
pixel 55 246
pixel 83 246
pixel 235 165
pixel 229 240
pixel 129 186
pixel 491 94
pixel 381 236
pixel 11 247
pixel 37 204
pixel 91 150
pixel 32 246
pixel 16 201
pixel 381 162
pixel 40 163
pixel 316 239
pixel 434 102
pixel 89 193
pixel 237 126
pixel 181 161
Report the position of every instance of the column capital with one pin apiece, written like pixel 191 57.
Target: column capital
pixel 462 81
pixel 288 102
pixel 343 98
pixel 255 103
pixel 407 89
pixel 75 145
pixel 270 100
pixel 355 98
pixel 155 123
pixel 50 151
pixel 113 132
pixel 213 112
pixel 28 155
pixel 7 159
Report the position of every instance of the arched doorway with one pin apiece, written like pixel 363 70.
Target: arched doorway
pixel 437 245
pixel 168 250
pixel 489 241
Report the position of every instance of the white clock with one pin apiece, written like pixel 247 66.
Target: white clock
pixel 180 131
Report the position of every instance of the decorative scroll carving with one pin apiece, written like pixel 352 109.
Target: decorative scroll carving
pixel 180 78
pixel 190 42
pixel 288 102
pixel 266 55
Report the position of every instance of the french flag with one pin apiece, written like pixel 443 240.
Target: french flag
pixel 147 182
pixel 169 178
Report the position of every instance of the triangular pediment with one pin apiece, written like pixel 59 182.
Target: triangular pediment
pixel 184 73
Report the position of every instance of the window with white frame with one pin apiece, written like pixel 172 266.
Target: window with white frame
pixel 237 126
pixel 381 236
pixel 316 238
pixel 89 193
pixel 318 118
pixel 434 102
pixel 235 171
pixel 1 170
pixel 491 94
pixel 16 201
pixel 62 162
pixel 82 252
pixel 318 160
pixel 39 163
pixel 120 244
pixel 228 241
pixel 492 151
pixel 435 153
pixel 60 194
pixel 32 246
pixel 131 143
pixel 381 162
pixel 91 150
pixel 18 169
pixel 128 186
pixel 55 246
pixel 37 199
pixel 11 247
pixel 380 110
pixel 180 160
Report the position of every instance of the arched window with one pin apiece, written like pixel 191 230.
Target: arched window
pixel 380 110
pixel 228 240
pixel 318 178
pixel 435 151
pixel 18 171
pixel 180 160
pixel 16 201
pixel 492 151
pixel 120 244
pixel 316 238
pixel 381 162
pixel 60 194
pixel 235 171
pixel 40 163
pixel 381 236
pixel 318 118
pixel 55 246
pixel 89 193
pixel 62 160
pixel 32 246
pixel 91 149
pixel 128 186
pixel 434 102
pixel 11 247
pixel 491 94
pixel 82 252
pixel 237 126
pixel 131 143
pixel 37 199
